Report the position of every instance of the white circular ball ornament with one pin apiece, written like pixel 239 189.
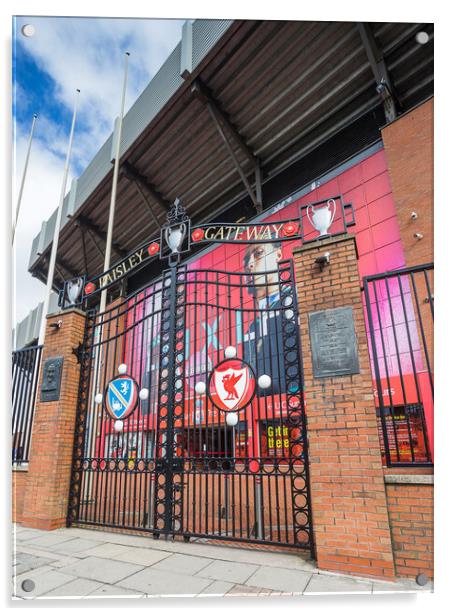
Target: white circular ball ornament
pixel 264 381
pixel 122 368
pixel 232 419
pixel 119 425
pixel 144 393
pixel 98 398
pixel 200 388
pixel 422 38
pixel 230 352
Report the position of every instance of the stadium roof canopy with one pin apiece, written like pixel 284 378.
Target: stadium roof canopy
pixel 240 113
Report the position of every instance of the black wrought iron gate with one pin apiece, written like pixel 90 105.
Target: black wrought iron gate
pixel 179 465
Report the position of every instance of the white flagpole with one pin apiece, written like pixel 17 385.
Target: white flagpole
pixel 21 189
pixel 111 215
pixel 98 333
pixel 56 232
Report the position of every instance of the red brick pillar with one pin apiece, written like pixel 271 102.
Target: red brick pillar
pixel 47 488
pixel 350 515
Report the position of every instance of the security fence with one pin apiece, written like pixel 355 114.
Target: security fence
pixel 25 372
pixel 400 330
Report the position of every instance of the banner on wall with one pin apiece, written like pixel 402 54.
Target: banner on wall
pixel 261 247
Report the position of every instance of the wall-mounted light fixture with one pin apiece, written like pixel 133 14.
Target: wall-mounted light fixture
pixel 323 260
pixel 413 215
pixel 418 236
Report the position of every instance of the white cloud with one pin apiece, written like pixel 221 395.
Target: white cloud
pixel 88 54
pixel 39 200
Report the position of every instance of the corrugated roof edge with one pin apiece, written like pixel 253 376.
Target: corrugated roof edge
pixel 27 331
pixel 161 88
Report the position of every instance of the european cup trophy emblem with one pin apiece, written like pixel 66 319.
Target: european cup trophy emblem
pixel 73 290
pixel 322 217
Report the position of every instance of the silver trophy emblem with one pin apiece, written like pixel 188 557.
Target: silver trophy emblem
pixel 322 218
pixel 73 290
pixel 174 237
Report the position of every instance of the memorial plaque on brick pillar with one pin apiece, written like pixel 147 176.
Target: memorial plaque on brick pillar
pixel 47 487
pixel 350 515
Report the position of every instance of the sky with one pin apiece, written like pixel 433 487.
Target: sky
pixel 65 54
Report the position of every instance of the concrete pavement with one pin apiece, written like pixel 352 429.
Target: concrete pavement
pixel 83 563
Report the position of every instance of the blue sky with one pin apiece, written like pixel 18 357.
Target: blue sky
pixel 64 54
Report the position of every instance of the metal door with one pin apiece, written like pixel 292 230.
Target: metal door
pixel 179 466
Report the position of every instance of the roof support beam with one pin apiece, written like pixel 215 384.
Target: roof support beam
pixel 65 265
pixel 378 66
pixel 222 121
pixel 132 174
pixel 94 241
pixel 60 265
pixel 85 260
pixel 143 196
pixel 86 223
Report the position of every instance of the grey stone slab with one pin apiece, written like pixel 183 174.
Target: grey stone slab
pixel 27 534
pixel 65 561
pixel 283 580
pixel 237 554
pixel 75 545
pixel 130 540
pixel 161 584
pixel 320 583
pixel 140 556
pixel 19 568
pixel 86 533
pixel 49 539
pixel 228 571
pixel 241 590
pixel 77 588
pixel 106 550
pixel 216 589
pixel 183 563
pixel 45 580
pixel 27 562
pixel 101 569
pixel 107 590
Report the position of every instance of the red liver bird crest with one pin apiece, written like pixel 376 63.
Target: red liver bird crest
pixel 229 382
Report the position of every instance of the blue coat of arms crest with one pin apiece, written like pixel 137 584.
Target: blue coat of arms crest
pixel 121 397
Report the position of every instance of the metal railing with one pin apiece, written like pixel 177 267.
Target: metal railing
pixel 400 331
pixel 25 372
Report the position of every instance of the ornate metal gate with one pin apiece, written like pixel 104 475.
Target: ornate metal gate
pixel 179 465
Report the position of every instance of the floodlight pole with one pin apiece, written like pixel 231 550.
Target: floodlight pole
pixel 21 189
pixel 111 214
pixel 56 232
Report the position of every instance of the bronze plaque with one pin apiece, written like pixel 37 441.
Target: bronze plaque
pixel 51 379
pixel 333 342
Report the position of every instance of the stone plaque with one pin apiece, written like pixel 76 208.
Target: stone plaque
pixel 333 342
pixel 51 379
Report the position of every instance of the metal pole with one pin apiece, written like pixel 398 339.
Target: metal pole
pixel 56 232
pixel 98 331
pixel 111 215
pixel 21 189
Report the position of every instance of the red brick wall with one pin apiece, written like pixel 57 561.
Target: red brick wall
pixel 19 482
pixel 350 517
pixel 408 144
pixel 47 489
pixel 410 508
